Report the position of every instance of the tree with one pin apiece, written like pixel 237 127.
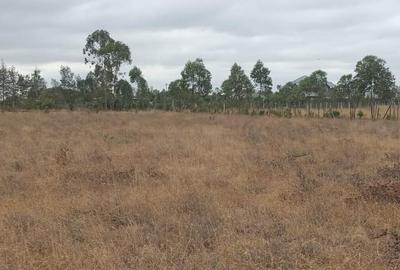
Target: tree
pixel 315 85
pixel 13 87
pixel 23 85
pixel 107 56
pixel 345 88
pixel 261 79
pixel 36 84
pixel 238 86
pixel 68 87
pixel 124 94
pixel 374 79
pixel 136 77
pixel 289 93
pixel 67 80
pixel 4 82
pixel 196 78
pixel 143 93
pixel 180 95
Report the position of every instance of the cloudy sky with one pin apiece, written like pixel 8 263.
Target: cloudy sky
pixel 293 37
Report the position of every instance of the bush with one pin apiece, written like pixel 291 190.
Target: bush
pixel 332 114
pixel 360 114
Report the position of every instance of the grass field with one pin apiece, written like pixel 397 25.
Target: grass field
pixel 164 190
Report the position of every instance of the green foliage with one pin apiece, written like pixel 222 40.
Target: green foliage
pixel 143 93
pixel 332 114
pixel 67 80
pixel 106 56
pixel 315 85
pixel 124 95
pixel 374 79
pixel 105 87
pixel 238 86
pixel 262 80
pixel 360 114
pixel 346 89
pixel 46 104
pixel 196 78
pixel 289 93
pixel 36 84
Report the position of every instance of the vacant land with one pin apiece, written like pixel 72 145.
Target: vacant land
pixel 189 191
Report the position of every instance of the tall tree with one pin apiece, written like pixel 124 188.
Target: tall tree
pixel 238 86
pixel 261 78
pixel 68 86
pixel 374 78
pixel 143 93
pixel 136 77
pixel 107 56
pixel 197 78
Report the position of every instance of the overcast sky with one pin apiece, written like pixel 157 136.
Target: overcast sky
pixel 292 37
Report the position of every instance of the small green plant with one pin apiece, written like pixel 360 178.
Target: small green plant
pixel 360 114
pixel 332 114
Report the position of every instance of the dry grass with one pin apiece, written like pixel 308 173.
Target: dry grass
pixel 186 191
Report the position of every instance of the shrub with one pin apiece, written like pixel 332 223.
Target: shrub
pixel 360 114
pixel 332 114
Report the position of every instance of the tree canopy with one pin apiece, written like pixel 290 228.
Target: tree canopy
pixel 107 86
pixel 261 78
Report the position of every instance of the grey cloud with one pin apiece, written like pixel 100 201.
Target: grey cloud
pixel 293 37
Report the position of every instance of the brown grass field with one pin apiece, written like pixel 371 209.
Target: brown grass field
pixel 161 190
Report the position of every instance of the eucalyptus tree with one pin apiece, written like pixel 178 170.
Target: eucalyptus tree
pixel 238 86
pixel 261 79
pixel 36 84
pixel 124 95
pixel 68 87
pixel 197 78
pixel 4 82
pixel 143 93
pixel 67 80
pixel 106 55
pixel 14 89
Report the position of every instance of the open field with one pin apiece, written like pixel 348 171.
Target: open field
pixel 164 190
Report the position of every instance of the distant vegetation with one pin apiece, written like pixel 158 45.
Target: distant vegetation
pixel 105 87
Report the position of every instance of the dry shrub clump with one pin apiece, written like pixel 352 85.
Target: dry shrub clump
pixel 161 190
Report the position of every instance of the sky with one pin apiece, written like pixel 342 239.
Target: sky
pixel 292 37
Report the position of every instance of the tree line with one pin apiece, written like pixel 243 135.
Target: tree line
pixel 105 87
